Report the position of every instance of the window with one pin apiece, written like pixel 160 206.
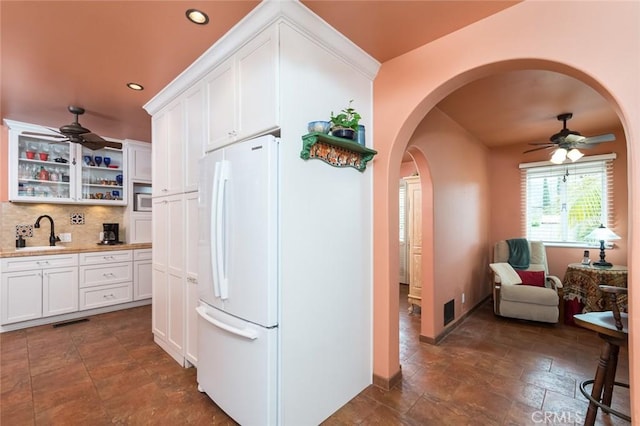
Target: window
pixel 563 203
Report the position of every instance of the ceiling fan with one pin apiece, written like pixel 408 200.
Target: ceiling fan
pixel 75 133
pixel 568 141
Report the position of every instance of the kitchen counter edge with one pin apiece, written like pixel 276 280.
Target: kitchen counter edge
pixel 66 250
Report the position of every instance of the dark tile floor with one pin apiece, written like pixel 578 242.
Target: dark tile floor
pixel 489 371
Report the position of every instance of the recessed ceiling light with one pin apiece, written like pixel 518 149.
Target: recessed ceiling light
pixel 135 86
pixel 197 17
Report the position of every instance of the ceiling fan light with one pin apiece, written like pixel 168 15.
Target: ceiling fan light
pixel 197 17
pixel 575 154
pixel 559 156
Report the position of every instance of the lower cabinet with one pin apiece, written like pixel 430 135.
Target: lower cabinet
pixel 59 291
pixel 175 275
pixel 142 288
pixel 106 278
pixel 168 301
pixel 36 287
pixel 105 295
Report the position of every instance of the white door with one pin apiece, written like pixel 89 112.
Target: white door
pixel 221 104
pixel 240 372
pixel 59 291
pixel 21 296
pixel 250 236
pixel 239 230
pixel 207 191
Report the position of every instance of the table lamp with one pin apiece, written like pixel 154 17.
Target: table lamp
pixel 602 234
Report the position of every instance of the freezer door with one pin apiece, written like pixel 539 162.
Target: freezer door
pixel 208 184
pixel 249 229
pixel 237 366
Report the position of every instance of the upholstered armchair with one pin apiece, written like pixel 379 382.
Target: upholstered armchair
pixel 530 293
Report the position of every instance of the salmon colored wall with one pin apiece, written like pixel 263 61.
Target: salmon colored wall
pixel 505 192
pixel 458 167
pixel 408 168
pixel 525 36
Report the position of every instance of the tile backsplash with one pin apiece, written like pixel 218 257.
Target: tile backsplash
pixel 84 223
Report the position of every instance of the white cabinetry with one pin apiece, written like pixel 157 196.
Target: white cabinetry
pixel 178 141
pixel 138 160
pixel 38 286
pixel 106 278
pixel 142 274
pixel 137 222
pixel 168 129
pixel 191 262
pixel 45 170
pixel 168 275
pixel 195 135
pixel 242 92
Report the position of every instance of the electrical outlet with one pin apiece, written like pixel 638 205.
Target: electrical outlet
pixel 462 298
pixel 65 237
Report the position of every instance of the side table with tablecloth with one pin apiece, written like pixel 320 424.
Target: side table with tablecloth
pixel 581 292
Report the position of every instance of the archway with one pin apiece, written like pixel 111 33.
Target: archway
pixel 428 327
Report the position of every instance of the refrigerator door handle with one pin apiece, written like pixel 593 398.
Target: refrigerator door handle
pixel 221 230
pixel 213 229
pixel 246 332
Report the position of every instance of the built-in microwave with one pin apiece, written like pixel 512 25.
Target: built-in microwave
pixel 142 202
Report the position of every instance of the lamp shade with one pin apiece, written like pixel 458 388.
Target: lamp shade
pixel 602 234
pixel 575 154
pixel 559 156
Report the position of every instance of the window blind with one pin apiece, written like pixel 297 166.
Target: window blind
pixel 564 203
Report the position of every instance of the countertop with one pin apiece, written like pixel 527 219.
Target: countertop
pixel 71 249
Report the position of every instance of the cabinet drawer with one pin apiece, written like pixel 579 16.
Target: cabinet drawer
pixel 91 276
pixel 100 258
pixel 12 264
pixel 96 297
pixel 142 254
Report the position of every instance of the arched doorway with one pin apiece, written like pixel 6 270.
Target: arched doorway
pixel 402 135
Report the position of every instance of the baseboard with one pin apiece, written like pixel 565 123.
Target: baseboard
pixel 454 325
pixel 385 383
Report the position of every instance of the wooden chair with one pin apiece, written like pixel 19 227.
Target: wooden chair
pixel 612 327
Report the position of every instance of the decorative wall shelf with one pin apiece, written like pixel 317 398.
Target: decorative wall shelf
pixel 337 152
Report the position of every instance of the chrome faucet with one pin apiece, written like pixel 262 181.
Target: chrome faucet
pixel 52 237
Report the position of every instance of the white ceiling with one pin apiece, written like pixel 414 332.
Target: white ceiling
pixel 58 53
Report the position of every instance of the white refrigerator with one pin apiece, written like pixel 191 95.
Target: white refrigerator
pixel 238 280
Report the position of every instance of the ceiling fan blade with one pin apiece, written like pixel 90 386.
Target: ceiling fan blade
pixel 609 137
pixel 92 145
pixel 48 135
pixel 571 138
pixel 93 138
pixel 115 145
pixel 539 148
pixel 541 143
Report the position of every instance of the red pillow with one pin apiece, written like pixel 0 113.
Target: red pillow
pixel 534 278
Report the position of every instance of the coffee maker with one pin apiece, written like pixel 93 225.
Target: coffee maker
pixel 110 233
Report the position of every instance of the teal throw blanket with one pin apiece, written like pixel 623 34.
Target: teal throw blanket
pixel 519 257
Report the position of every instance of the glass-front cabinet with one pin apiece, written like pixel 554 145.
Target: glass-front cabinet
pixel 102 175
pixel 43 169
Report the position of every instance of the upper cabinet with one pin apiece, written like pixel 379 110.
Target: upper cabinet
pixel 178 141
pixel 45 170
pixel 242 92
pixel 138 160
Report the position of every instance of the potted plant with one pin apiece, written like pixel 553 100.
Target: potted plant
pixel 345 124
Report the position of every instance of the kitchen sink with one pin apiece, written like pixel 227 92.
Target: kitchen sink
pixel 38 248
